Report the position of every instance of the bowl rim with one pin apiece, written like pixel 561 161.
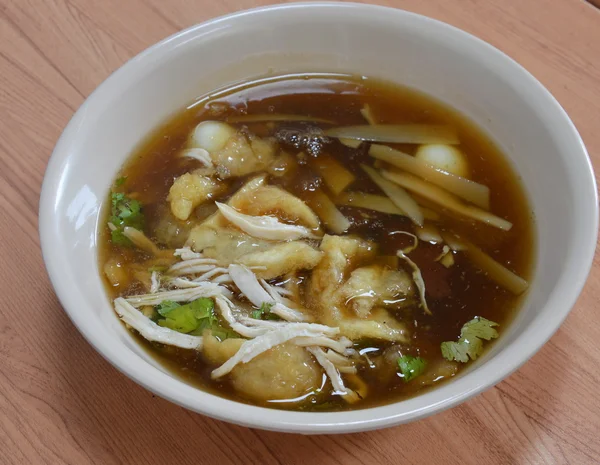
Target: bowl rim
pixel 504 363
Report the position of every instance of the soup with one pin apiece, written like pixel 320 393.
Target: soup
pixel 318 243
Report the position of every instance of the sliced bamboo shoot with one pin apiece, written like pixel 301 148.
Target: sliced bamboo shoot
pixel 429 233
pixel 328 213
pixel 444 199
pixel 462 187
pixel 367 113
pixel 352 143
pixel 399 196
pixel 397 133
pixel 494 270
pixel 336 177
pixel 378 203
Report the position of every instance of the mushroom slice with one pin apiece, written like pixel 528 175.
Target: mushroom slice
pixel 264 227
pixel 151 331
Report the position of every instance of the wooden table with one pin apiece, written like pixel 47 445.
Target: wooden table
pixel 60 402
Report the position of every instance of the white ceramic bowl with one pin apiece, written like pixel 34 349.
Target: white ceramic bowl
pixel 455 67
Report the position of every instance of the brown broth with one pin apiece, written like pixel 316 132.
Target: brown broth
pixel 455 295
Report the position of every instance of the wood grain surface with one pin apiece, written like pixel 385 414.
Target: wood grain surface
pixel 60 402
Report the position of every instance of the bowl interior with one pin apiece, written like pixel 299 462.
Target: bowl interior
pixel 450 65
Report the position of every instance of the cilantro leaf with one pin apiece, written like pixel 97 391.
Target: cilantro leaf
pixel 411 367
pixel 470 344
pixel 256 314
pixel 264 312
pixel 196 315
pixel 166 306
pixel 118 238
pixel 479 327
pixel 124 212
pixel 180 319
pixel 223 333
pixel 266 307
pixel 120 181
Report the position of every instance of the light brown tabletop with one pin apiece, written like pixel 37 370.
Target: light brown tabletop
pixel 60 402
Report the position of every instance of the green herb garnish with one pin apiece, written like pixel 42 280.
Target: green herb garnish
pixel 410 367
pixel 189 317
pixel 124 212
pixel 264 312
pixel 166 306
pixel 120 181
pixel 470 343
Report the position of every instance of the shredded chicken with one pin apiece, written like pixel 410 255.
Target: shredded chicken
pixel 343 364
pixel 334 376
pixel 192 266
pixel 264 227
pixel 141 241
pixel 155 282
pixel 418 278
pixel 178 295
pixel 323 341
pixel 226 309
pixel 254 347
pixel 186 253
pixel 272 325
pixel 272 200
pixel 210 274
pixel 151 331
pixel 248 284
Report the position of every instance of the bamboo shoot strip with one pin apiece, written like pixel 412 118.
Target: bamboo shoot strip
pixel 471 191
pixel 397 194
pixel 397 133
pixel 494 270
pixel 444 199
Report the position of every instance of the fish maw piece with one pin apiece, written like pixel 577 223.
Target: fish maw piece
pixel 271 200
pixel 375 285
pixel 241 196
pixel 340 254
pixel 224 244
pixel 243 155
pixel 379 325
pixel 218 352
pixel 190 190
pixel 282 259
pixel 284 372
